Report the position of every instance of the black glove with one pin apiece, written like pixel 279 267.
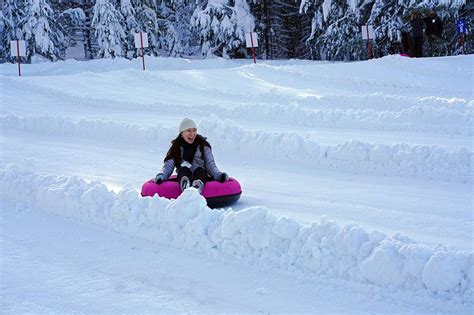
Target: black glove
pixel 222 177
pixel 159 178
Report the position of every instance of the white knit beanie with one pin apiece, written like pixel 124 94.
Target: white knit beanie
pixel 186 123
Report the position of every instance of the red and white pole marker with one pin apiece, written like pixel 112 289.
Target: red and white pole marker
pixel 143 50
pixel 253 49
pixel 141 41
pixel 18 49
pixel 369 49
pixel 251 41
pixel 19 58
pixel 368 33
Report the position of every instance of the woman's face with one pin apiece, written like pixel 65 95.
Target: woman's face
pixel 189 135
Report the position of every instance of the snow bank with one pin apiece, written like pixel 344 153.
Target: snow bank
pixel 106 130
pixel 428 67
pixel 71 66
pixel 346 95
pixel 366 112
pixel 402 159
pixel 450 116
pixel 254 236
pixel 370 112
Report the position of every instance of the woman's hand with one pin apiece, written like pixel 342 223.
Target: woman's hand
pixel 222 177
pixel 159 178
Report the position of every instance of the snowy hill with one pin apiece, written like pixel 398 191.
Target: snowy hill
pixel 357 187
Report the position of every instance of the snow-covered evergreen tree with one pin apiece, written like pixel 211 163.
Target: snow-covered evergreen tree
pixel 322 29
pixel 11 19
pixel 288 29
pixel 3 44
pixel 73 21
pixel 147 18
pixel 245 21
pixel 384 17
pixel 174 23
pixel 108 24
pixel 221 27
pixel 72 17
pixel 336 26
pixel 41 31
pixel 131 27
pixel 335 33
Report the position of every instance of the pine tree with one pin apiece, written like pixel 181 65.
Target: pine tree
pixel 73 22
pixel 212 23
pixel 107 22
pixel 258 10
pixel 42 34
pixel 221 28
pixel 11 18
pixel 3 46
pixel 174 24
pixel 383 17
pixel 319 29
pixel 245 21
pixel 186 41
pixel 335 33
pixel 288 29
pixel 147 18
pixel 131 27
pixel 319 14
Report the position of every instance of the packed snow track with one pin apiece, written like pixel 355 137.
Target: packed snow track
pixel 357 186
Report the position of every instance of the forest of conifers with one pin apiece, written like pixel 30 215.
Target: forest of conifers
pixel 305 29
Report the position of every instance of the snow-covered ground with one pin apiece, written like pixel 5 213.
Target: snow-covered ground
pixel 357 187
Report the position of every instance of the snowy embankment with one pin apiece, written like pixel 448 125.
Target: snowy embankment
pixel 253 236
pixel 422 161
pixel 388 113
pixel 365 111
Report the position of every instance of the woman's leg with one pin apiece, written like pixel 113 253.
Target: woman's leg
pixel 199 178
pixel 200 174
pixel 184 177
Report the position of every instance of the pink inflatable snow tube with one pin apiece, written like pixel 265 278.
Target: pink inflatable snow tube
pixel 217 194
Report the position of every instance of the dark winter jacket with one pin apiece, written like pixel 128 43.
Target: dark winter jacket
pixel 188 150
pixel 417 25
pixel 202 158
pixel 434 26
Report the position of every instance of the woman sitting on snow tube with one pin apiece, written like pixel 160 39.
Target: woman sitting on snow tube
pixel 191 155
